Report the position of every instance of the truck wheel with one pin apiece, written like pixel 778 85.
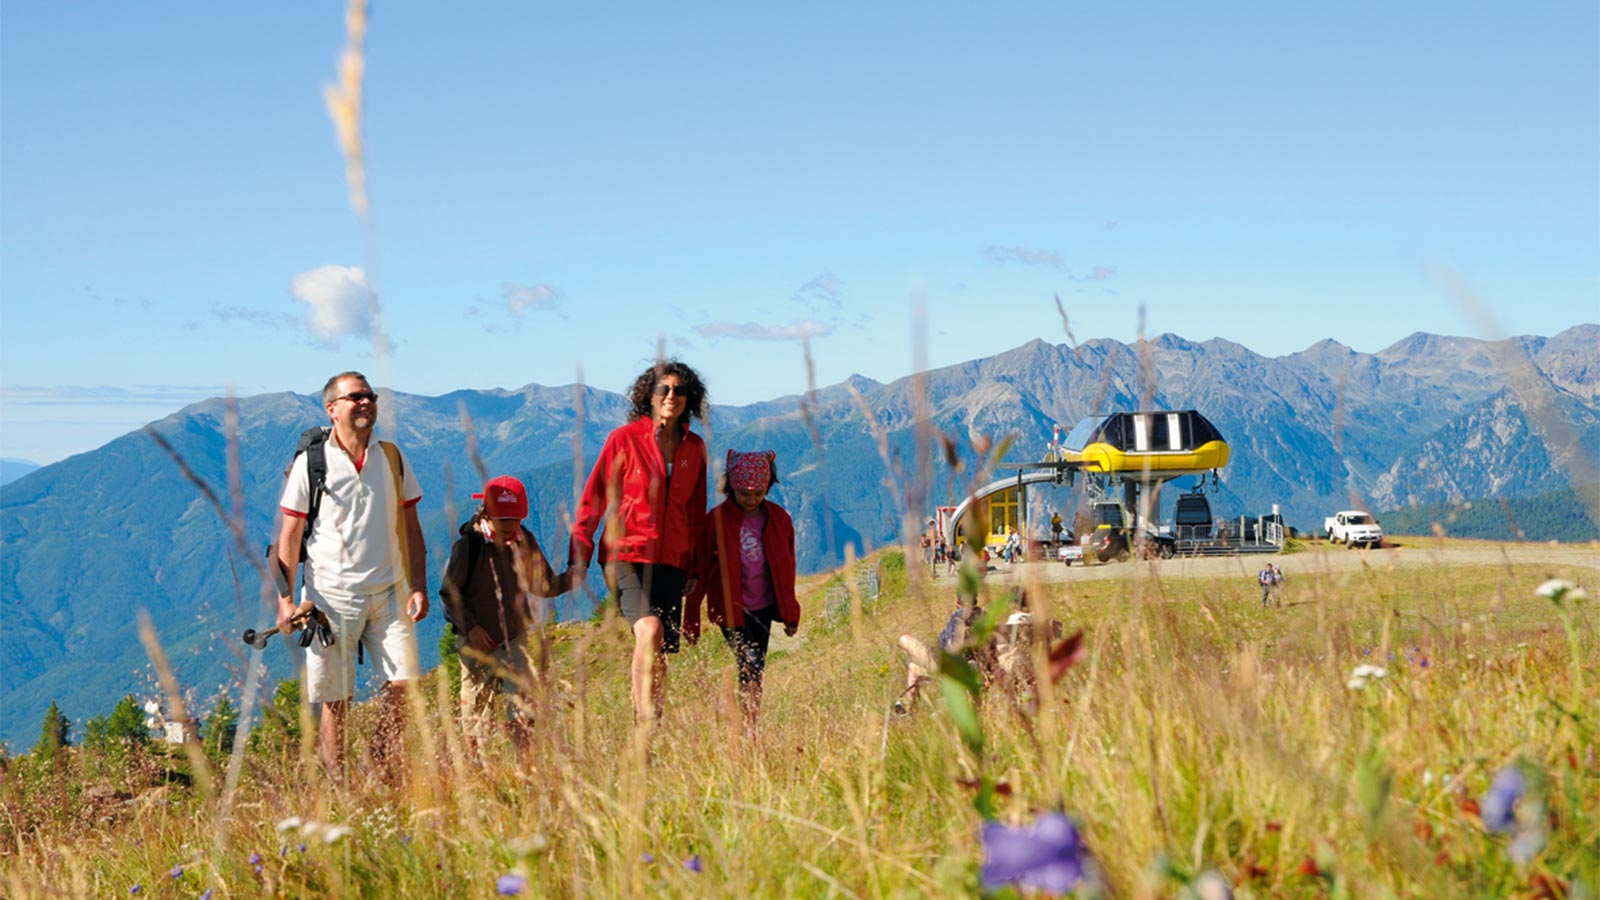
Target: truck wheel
pixel 1122 555
pixel 1348 543
pixel 1167 551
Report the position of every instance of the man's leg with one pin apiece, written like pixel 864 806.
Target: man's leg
pixel 330 736
pixel 388 741
pixel 391 643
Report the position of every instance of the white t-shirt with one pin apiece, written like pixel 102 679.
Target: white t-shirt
pixel 353 545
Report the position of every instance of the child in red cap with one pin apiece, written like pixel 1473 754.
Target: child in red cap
pixel 496 575
pixel 746 572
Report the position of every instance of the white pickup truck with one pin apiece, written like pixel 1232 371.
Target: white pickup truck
pixel 1354 528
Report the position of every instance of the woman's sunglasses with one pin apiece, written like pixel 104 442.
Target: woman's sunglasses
pixel 672 390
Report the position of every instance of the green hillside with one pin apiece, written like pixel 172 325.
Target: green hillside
pixel 1197 733
pixel 1556 516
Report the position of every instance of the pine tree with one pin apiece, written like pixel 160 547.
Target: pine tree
pixel 119 732
pixel 450 660
pixel 280 721
pixel 220 726
pixel 53 734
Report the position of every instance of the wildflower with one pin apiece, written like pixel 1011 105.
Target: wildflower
pixel 510 885
pixel 255 859
pixel 292 823
pixel 136 889
pixel 301 848
pixel 647 857
pixel 334 835
pixel 1048 856
pixel 206 895
pixel 405 840
pixel 1498 805
pixel 1365 673
pixel 694 864
pixel 177 872
pixel 1211 885
pixel 1525 846
pixel 1559 589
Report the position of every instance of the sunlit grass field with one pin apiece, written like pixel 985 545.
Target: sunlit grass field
pixel 1199 733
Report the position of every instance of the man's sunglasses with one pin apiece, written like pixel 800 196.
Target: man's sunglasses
pixel 672 390
pixel 358 396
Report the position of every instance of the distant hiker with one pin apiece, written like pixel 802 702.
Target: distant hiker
pixel 1269 578
pixel 1056 526
pixel 746 572
pixel 365 568
pixel 941 553
pixel 649 487
pixel 494 584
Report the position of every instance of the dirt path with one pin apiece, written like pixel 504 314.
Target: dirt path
pixel 1326 558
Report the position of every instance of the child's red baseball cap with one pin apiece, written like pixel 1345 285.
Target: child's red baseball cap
pixel 504 497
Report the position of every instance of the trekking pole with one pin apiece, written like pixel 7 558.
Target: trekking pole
pixel 302 614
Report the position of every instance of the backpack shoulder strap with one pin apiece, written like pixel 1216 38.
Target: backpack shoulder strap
pixel 314 444
pixel 397 469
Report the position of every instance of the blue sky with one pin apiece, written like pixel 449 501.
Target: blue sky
pixel 556 187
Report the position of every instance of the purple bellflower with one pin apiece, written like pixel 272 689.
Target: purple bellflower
pixel 510 885
pixel 1498 806
pixel 1047 856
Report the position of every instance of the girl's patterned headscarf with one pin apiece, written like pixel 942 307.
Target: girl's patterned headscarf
pixel 750 471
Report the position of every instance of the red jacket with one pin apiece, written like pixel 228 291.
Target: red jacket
pixel 719 575
pixel 648 518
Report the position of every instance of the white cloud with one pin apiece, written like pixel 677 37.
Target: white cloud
pixel 825 287
pixel 338 297
pixel 1024 255
pixel 523 298
pixel 800 329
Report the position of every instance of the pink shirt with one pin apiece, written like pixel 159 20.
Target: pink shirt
pixel 754 580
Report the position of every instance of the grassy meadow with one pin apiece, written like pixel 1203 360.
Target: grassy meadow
pixel 1197 732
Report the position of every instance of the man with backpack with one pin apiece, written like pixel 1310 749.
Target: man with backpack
pixel 365 566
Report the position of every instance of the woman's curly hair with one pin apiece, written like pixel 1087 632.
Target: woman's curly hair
pixel 644 387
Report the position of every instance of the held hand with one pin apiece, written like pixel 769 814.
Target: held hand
pixel 417 606
pixel 285 613
pixel 690 585
pixel 480 640
pixel 789 628
pixel 563 582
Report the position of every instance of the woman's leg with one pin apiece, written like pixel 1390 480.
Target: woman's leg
pixel 649 669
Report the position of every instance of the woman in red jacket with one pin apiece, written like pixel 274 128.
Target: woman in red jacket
pixel 649 487
pixel 746 572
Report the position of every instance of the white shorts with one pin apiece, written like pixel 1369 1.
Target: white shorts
pixel 376 620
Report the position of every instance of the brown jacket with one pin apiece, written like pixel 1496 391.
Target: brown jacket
pixel 482 586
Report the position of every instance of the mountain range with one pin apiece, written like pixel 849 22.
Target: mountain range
pixel 89 541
